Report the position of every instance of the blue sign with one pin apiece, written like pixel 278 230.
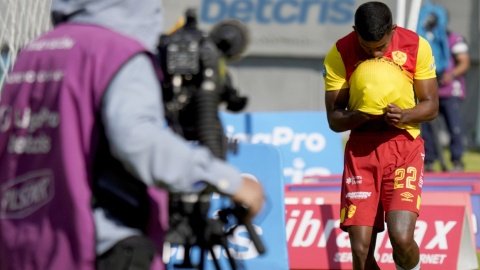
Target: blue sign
pixel 309 147
pixel 235 126
pixel 278 11
pixel 475 197
pixel 264 162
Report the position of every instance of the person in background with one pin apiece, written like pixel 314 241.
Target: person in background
pixel 451 92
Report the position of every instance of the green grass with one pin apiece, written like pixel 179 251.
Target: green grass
pixel 471 159
pixel 478 259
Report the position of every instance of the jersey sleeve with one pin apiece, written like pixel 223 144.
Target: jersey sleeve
pixel 425 68
pixel 334 72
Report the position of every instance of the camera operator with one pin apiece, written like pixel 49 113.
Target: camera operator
pixel 83 136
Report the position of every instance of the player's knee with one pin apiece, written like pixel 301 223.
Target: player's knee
pixel 360 250
pixel 402 243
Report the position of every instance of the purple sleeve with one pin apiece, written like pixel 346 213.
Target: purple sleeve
pixel 457 43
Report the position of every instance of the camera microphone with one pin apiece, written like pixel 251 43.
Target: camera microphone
pixel 232 37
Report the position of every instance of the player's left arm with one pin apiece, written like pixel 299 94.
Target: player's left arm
pixel 426 89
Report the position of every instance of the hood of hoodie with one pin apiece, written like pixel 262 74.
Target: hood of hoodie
pixel 138 19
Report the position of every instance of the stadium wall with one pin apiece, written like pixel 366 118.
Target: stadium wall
pixel 283 68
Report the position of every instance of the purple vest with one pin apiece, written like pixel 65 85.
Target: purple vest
pixel 49 133
pixel 456 88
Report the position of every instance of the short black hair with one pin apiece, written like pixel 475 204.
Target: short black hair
pixel 373 20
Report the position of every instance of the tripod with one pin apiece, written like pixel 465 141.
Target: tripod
pixel 190 226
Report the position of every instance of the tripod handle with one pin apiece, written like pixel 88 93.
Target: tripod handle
pixel 241 212
pixel 254 237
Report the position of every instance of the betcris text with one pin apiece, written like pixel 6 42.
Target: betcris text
pixel 278 11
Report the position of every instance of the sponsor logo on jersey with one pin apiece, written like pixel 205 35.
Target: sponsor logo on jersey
pixel 433 65
pixel 407 196
pixel 324 71
pixel 399 57
pixel 358 195
pixel 351 210
pixel 354 180
pixel 420 181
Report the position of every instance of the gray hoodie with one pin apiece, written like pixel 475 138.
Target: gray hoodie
pixel 139 19
pixel 133 116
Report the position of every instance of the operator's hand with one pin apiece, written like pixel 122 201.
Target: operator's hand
pixel 251 194
pixel 394 114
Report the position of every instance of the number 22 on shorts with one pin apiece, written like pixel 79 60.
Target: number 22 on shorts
pixel 400 175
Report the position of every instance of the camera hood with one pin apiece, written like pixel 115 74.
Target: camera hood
pixel 232 37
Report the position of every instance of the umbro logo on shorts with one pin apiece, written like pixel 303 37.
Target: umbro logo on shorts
pixel 407 196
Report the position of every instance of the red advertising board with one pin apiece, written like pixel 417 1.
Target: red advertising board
pixel 315 240
pixel 445 198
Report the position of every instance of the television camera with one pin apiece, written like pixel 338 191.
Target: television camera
pixel 195 83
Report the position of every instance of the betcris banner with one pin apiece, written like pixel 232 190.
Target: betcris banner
pixel 264 163
pixel 306 28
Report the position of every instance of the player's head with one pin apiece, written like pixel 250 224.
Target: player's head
pixel 373 25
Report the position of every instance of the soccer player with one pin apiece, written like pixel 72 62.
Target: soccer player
pixel 373 78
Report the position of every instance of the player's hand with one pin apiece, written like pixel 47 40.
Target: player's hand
pixel 251 194
pixel 394 114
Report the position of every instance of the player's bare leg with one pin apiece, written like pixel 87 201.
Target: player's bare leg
pixel 401 228
pixel 362 240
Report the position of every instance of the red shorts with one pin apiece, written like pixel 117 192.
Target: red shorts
pixel 382 171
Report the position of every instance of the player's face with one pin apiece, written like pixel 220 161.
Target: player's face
pixel 376 49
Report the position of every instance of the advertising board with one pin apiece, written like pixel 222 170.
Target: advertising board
pixel 309 148
pixel 315 240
